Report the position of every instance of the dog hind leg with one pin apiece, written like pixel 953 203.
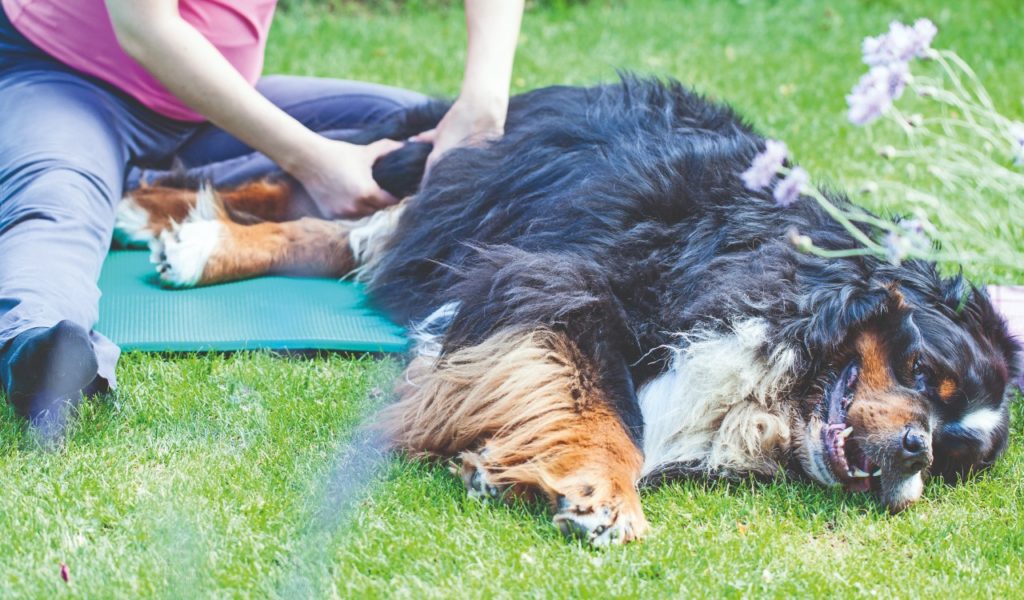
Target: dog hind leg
pixel 146 212
pixel 211 248
pixel 524 412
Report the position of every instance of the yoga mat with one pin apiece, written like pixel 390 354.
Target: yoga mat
pixel 278 313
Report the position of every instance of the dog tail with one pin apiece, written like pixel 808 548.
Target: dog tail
pixel 401 171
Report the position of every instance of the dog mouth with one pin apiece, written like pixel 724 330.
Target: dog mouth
pixel 848 463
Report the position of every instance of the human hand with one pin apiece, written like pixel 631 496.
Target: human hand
pixel 338 176
pixel 467 123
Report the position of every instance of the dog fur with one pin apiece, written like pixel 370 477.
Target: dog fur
pixel 598 302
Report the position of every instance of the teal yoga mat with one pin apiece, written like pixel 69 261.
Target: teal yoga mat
pixel 278 313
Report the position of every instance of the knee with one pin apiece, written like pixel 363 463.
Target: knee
pixel 59 191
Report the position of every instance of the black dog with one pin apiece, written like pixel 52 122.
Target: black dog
pixel 599 300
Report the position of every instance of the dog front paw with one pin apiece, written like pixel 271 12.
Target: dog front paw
pixel 476 477
pixel 600 523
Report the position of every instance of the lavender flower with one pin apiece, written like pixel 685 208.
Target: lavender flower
pixel 896 247
pixel 900 44
pixel 766 166
pixel 1017 131
pixel 910 237
pixel 876 91
pixel 790 188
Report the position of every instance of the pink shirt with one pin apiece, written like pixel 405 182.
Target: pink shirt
pixel 79 34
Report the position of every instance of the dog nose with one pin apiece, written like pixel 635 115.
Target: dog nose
pixel 913 455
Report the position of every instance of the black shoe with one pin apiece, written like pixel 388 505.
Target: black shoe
pixel 45 371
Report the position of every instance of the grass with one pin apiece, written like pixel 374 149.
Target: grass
pixel 209 476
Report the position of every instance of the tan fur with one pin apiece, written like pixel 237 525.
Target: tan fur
pixel 884 414
pixel 874 371
pixel 880 405
pixel 164 205
pixel 523 406
pixel 947 387
pixel 268 201
pixel 307 247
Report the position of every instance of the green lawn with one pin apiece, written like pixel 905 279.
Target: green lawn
pixel 209 476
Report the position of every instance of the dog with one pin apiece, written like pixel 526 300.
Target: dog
pixel 598 303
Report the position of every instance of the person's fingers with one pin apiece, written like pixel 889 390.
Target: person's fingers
pixel 385 198
pixel 432 158
pixel 381 147
pixel 426 137
pixel 375 199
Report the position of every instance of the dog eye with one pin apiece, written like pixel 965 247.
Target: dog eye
pixel 922 375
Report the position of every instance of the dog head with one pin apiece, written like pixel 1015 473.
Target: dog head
pixel 912 387
pixel 969 358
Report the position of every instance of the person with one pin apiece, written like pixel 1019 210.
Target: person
pixel 93 92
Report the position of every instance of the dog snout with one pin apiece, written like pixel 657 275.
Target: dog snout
pixel 914 454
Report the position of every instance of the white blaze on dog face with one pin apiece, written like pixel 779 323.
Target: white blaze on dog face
pixel 982 421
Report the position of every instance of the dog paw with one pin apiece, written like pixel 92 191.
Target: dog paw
pixel 182 252
pixel 477 479
pixel 599 523
pixel 131 224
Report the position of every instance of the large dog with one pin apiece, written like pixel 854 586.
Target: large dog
pixel 598 301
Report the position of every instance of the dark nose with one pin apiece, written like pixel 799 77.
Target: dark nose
pixel 913 455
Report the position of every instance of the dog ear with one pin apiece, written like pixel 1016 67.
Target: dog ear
pixel 979 316
pixel 837 311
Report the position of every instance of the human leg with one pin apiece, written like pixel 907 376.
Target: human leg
pixel 63 154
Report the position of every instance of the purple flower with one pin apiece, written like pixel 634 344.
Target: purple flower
pixel 926 32
pixel 875 92
pixel 900 44
pixel 910 237
pixel 913 226
pixel 1017 131
pixel 896 247
pixel 765 166
pixel 790 188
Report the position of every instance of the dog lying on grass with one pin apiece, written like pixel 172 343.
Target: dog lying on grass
pixel 597 302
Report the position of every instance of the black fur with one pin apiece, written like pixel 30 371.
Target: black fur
pixel 616 214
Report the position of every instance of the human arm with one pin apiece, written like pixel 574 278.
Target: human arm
pixel 337 175
pixel 492 29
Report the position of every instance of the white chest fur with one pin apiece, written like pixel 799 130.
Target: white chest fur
pixel 717 406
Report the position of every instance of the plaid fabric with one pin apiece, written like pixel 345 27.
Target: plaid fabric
pixel 1009 299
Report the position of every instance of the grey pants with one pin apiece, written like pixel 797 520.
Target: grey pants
pixel 71 145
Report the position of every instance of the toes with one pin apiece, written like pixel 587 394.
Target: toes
pixel 477 481
pixel 479 487
pixel 182 253
pixel 598 525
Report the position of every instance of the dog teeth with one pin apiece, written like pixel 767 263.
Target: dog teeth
pixel 846 432
pixel 855 472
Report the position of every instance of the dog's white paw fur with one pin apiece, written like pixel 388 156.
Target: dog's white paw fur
pixel 131 224
pixel 182 252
